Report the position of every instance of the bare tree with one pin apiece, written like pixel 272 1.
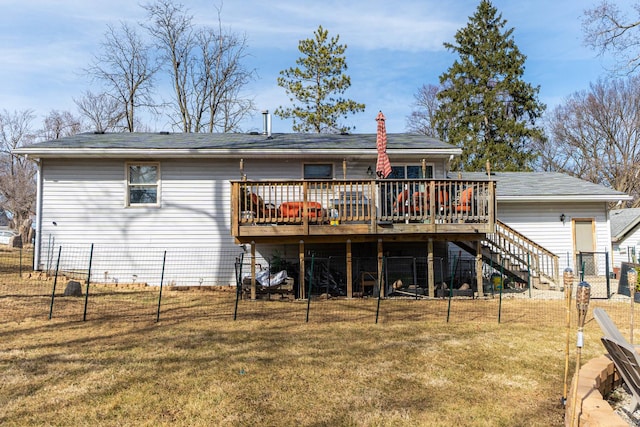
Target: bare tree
pixel 205 67
pixel 17 184
pixel 609 29
pixel 126 70
pixel 101 110
pixel 172 30
pixel 59 124
pixel 594 136
pixel 222 55
pixel 422 119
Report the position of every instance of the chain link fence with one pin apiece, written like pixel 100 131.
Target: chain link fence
pixel 89 282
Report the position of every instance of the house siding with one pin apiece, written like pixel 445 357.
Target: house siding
pixel 84 205
pixel 541 223
pixel 87 203
pixel 86 199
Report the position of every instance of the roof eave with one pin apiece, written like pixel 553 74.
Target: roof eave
pixel 627 230
pixel 221 153
pixel 560 198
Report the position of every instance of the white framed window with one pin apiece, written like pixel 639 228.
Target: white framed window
pixel 411 171
pixel 143 183
pixel 317 171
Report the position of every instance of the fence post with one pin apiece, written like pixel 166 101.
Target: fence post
pixel 501 287
pixel 607 272
pixel 86 295
pixel 239 261
pixel 529 272
pixel 20 268
pixel 164 260
pixel 415 275
pixel 310 283
pixel 33 253
pixel 453 272
pixel 384 268
pixel 55 282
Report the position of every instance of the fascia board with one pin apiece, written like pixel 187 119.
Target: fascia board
pixel 218 153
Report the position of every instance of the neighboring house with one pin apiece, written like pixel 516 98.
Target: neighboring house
pixel 4 219
pixel 625 236
pixel 296 194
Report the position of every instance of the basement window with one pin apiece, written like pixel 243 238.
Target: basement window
pixel 143 182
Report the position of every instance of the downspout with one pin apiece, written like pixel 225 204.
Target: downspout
pixel 38 242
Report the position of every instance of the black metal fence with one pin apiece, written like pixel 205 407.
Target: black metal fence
pixel 594 268
pixel 149 284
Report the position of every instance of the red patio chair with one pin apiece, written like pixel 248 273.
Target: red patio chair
pixel 403 203
pixel 261 210
pixel 314 210
pixel 464 202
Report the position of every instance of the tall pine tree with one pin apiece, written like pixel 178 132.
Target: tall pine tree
pixel 485 106
pixel 316 83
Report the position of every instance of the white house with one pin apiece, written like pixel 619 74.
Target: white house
pixel 564 214
pixel 625 236
pixel 293 194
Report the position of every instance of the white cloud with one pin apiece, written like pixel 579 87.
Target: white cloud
pixel 393 47
pixel 408 26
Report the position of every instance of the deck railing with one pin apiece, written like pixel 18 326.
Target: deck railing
pixel 343 202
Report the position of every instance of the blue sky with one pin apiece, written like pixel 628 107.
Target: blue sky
pixel 393 48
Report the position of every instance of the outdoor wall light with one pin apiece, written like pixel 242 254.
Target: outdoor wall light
pixel 562 218
pixel 369 171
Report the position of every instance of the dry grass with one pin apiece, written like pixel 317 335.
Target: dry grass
pixel 281 371
pixel 270 368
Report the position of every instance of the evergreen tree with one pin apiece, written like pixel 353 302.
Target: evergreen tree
pixel 317 83
pixel 485 106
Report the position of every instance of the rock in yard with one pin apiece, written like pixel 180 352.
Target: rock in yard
pixel 73 289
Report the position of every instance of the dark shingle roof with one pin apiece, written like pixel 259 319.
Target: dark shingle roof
pixel 512 185
pixel 238 141
pixel 622 221
pixel 544 186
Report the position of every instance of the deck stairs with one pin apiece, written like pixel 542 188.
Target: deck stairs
pixel 517 257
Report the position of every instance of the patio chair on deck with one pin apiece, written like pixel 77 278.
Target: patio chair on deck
pixel 624 356
pixel 464 202
pixel 403 203
pixel 295 211
pixel 422 206
pixel 261 211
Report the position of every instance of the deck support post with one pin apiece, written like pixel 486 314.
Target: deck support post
pixel 430 271
pixel 349 270
pixel 301 286
pixel 253 270
pixel 479 269
pixel 380 268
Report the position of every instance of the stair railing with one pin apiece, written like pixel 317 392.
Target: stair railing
pixel 516 249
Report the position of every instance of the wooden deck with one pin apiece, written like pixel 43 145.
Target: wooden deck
pixel 367 210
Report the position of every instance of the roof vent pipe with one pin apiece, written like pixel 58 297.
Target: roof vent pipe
pixel 266 123
pixel 265 114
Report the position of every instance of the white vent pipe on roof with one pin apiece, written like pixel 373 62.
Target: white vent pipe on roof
pixel 266 123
